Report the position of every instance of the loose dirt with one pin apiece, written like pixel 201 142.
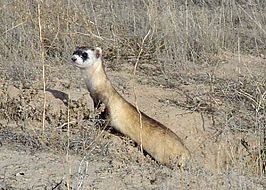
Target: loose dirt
pixel 72 149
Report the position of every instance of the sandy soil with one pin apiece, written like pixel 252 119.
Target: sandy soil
pixel 87 154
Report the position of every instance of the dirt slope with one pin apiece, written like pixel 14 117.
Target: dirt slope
pixel 54 157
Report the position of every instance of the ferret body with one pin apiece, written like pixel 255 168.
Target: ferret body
pixel 155 138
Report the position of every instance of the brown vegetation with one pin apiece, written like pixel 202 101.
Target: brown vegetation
pixel 209 54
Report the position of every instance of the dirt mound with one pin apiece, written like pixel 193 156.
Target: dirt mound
pixel 28 104
pixel 76 141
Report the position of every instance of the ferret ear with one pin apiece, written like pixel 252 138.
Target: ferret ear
pixel 98 52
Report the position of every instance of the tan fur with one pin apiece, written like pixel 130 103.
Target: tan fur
pixel 157 140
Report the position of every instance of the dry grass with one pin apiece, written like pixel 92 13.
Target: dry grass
pixel 182 33
pixel 185 37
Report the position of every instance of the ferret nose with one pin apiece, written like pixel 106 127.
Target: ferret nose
pixel 73 59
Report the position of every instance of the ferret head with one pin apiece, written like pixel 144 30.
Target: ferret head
pixel 84 57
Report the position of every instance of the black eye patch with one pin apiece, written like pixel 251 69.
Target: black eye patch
pixel 82 54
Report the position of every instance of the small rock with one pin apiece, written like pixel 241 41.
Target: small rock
pixel 13 92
